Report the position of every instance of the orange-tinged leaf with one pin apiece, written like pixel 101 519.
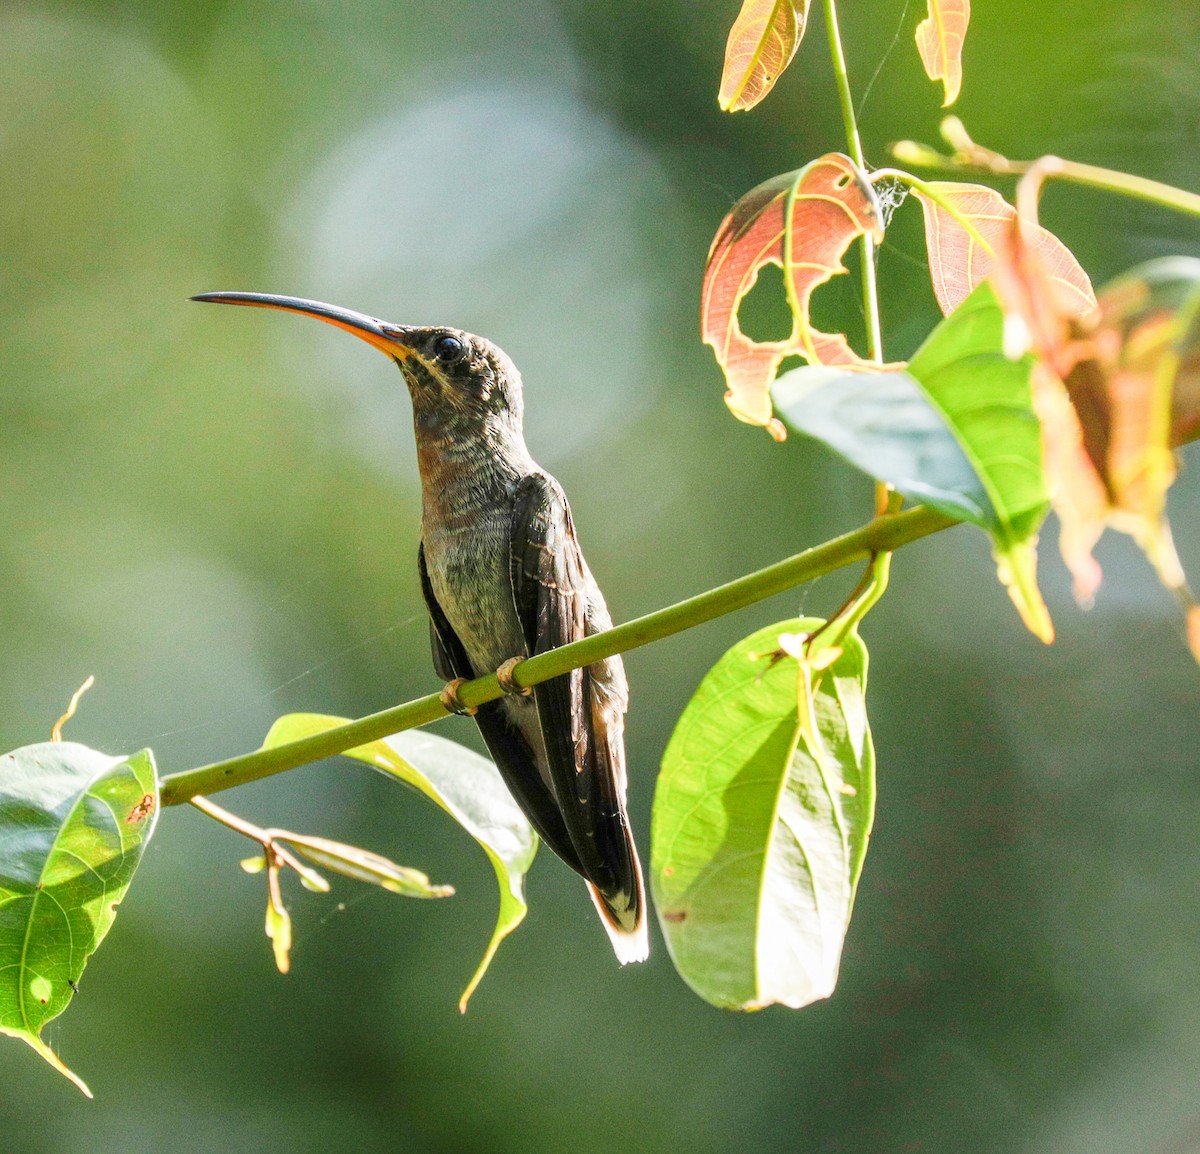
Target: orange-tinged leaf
pixel 1077 491
pixel 958 261
pixel 1193 630
pixel 1127 396
pixel 1131 415
pixel 802 221
pixel 940 39
pixel 761 44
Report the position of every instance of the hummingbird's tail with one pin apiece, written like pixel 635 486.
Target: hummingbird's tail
pixel 624 916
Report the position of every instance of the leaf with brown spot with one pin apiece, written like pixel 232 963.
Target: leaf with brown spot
pixel 958 261
pixel 761 44
pixel 803 222
pixel 940 39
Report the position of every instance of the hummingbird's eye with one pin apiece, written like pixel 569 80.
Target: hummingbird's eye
pixel 448 349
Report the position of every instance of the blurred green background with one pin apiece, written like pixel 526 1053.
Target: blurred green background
pixel 216 513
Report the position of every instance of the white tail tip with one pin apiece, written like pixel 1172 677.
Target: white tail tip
pixel 630 945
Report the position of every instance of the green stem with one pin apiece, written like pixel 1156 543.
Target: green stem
pixel 854 145
pixel 970 157
pixel 881 535
pixel 1046 168
pixel 1137 187
pixel 964 222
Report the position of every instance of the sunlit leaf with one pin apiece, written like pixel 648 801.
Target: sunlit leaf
pixel 956 430
pixel 958 261
pixel 758 833
pixel 73 824
pixel 940 39
pixel 762 42
pixel 802 221
pixel 468 787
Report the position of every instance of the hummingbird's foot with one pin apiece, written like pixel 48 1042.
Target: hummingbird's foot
pixel 504 675
pixel 451 700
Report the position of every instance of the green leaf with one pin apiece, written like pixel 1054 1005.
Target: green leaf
pixel 468 787
pixel 73 824
pixel 886 426
pixel 759 834
pixel 956 430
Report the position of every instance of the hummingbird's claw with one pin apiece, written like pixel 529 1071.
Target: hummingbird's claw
pixel 504 675
pixel 450 699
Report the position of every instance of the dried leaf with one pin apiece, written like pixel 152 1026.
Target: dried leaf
pixel 803 222
pixel 958 261
pixel 1076 491
pixel 362 865
pixel 762 42
pixel 940 39
pixel 1135 397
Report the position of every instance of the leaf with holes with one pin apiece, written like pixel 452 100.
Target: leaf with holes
pixel 803 222
pixel 73 825
pixel 961 257
pixel 940 39
pixel 759 832
pixel 956 429
pixel 762 42
pixel 468 787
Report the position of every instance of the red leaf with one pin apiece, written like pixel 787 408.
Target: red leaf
pixel 804 222
pixel 940 39
pixel 762 42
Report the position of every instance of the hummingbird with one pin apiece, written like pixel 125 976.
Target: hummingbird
pixel 504 578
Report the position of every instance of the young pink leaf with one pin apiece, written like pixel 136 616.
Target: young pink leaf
pixel 762 42
pixel 940 39
pixel 958 261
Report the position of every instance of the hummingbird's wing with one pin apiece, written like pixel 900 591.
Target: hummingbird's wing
pixel 510 751
pixel 552 589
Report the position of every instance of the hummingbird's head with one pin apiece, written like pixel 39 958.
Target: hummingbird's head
pixel 457 381
pixel 456 378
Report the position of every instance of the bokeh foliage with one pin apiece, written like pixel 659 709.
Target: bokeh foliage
pixel 219 521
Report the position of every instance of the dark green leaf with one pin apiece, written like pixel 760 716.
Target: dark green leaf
pixel 73 824
pixel 758 838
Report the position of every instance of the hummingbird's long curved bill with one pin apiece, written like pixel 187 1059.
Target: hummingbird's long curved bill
pixel 387 338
